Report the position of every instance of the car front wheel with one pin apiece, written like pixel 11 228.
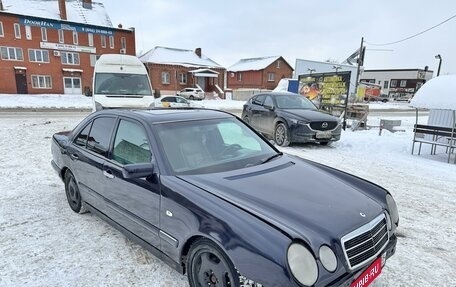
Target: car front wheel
pixel 208 265
pixel 72 193
pixel 281 136
pixel 191 98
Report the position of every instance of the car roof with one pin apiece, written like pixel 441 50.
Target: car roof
pixel 169 114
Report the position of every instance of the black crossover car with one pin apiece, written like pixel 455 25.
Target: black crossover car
pixel 215 200
pixel 288 117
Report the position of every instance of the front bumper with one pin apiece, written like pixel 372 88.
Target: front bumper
pixel 304 134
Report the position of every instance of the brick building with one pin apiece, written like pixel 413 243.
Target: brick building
pixel 172 70
pixel 258 73
pixel 51 46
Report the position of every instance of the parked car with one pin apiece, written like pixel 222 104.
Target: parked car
pixel 289 117
pixel 214 199
pixel 192 93
pixel 382 98
pixel 171 102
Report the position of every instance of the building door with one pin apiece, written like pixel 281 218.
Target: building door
pixel 201 81
pixel 21 83
pixel 72 85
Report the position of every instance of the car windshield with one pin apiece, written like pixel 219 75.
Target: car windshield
pixel 215 145
pixel 294 102
pixel 122 84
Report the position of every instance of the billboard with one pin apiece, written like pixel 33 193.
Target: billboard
pixel 325 89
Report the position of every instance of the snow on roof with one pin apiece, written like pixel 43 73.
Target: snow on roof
pixel 253 64
pixel 49 9
pixel 439 93
pixel 172 56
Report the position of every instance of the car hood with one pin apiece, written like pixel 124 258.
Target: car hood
pixel 294 195
pixel 310 115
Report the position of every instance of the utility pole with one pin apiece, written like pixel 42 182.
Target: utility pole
pixel 360 63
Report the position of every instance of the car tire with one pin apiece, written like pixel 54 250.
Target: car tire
pixel 191 98
pixel 208 265
pixel 72 193
pixel 324 143
pixel 281 135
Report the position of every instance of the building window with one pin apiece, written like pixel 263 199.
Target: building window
pixel 111 42
pixel 271 77
pixel 90 38
pixel 278 64
pixel 393 83
pixel 1 29
pixel 93 60
pixel 61 36
pixel 385 84
pixel 11 53
pixel 41 82
pixel 28 32
pixel 75 38
pixel 44 36
pixel 103 41
pixel 123 43
pixel 165 77
pixel 239 77
pixel 70 58
pixel 40 56
pixel 403 83
pixel 183 78
pixel 17 30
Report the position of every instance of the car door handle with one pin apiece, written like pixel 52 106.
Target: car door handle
pixel 74 156
pixel 108 174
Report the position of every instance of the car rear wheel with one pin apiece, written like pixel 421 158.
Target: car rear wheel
pixel 72 193
pixel 324 143
pixel 281 136
pixel 208 265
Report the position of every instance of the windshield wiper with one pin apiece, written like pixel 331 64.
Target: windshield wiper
pixel 271 157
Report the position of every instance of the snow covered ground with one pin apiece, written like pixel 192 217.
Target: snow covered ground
pixel 83 102
pixel 44 243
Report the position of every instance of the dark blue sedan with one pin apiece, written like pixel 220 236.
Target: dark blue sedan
pixel 212 198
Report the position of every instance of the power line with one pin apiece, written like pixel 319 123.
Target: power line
pixel 413 36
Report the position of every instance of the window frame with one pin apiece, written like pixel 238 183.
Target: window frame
pixel 385 84
pixel 403 83
pixel 90 39
pixel 111 42
pixel 239 76
pixel 278 64
pixel 75 38
pixel 165 78
pixel 393 83
pixel 271 77
pixel 42 52
pixel 44 36
pixel 39 86
pixel 17 31
pixel 2 32
pixel 103 41
pixel 8 49
pixel 111 132
pixel 183 78
pixel 123 43
pixel 61 33
pixel 65 54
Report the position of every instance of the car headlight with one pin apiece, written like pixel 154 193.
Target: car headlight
pixel 328 258
pixel 302 264
pixel 392 208
pixel 299 122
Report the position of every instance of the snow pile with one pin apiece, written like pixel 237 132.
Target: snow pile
pixel 439 93
pixel 45 101
pixel 186 58
pixel 253 64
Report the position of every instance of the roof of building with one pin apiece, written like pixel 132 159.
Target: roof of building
pixel 49 9
pixel 172 56
pixel 254 64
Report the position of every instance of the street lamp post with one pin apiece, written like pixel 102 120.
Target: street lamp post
pixel 310 70
pixel 440 63
pixel 337 68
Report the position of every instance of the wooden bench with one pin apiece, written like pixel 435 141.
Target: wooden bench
pixel 390 125
pixel 439 136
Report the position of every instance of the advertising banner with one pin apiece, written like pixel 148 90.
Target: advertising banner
pixel 325 89
pixel 53 24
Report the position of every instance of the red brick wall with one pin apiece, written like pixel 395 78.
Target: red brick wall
pixel 155 74
pixel 54 67
pixel 259 79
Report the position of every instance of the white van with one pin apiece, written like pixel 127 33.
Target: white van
pixel 121 81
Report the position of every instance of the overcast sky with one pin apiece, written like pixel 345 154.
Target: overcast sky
pixel 314 30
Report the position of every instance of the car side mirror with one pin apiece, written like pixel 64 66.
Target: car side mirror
pixel 138 170
pixel 271 108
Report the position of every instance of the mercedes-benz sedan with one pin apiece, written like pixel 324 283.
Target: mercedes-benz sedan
pixel 215 200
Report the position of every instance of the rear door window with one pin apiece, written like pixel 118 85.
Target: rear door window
pixel 81 138
pixel 100 135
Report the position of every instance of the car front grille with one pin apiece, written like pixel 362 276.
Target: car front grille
pixel 365 243
pixel 323 125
